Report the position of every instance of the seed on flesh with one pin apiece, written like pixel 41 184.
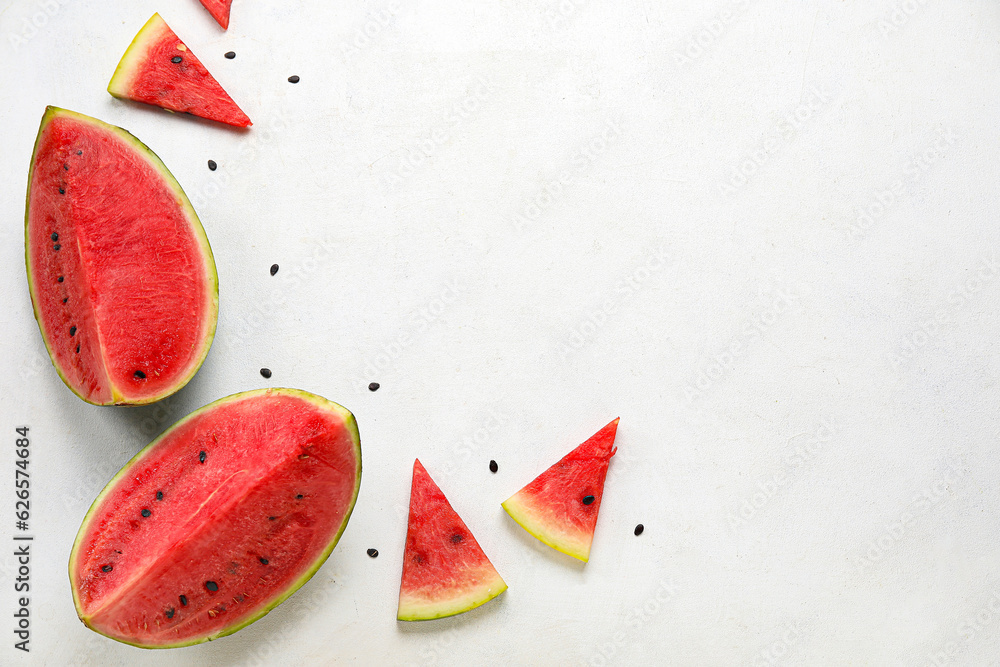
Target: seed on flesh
pixel 106 568
pixel 184 600
pixel 374 386
pixel 274 269
pixel 55 237
pixel 373 553
pixel 212 165
pixel 170 613
pixel 639 529
pixel 79 152
pixel 61 278
pixel 493 466
pixel 159 495
pixel 266 372
pixel 293 78
pixel 202 456
pixel 72 331
pixel 299 497
pixel 65 299
pixel 77 347
pixel 146 513
pixel 56 247
pixel 230 55
pixel 212 586
pixel 66 167
pixel 62 191
pixel 271 518
pixel 263 561
pixel 140 375
pixel 456 538
pixel 588 499
pixel 176 59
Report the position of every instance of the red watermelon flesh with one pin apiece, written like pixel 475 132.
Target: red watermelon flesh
pixel 218 520
pixel 219 9
pixel 121 275
pixel 159 69
pixel 561 505
pixel 445 571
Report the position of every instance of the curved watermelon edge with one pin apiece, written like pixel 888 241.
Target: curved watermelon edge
pixel 453 607
pixel 349 421
pixel 518 512
pixel 198 229
pixel 127 66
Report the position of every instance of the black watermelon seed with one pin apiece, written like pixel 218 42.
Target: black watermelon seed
pixel 493 466
pixel 146 513
pixel 639 529
pixel 79 152
pixel 293 78
pixel 271 518
pixel 373 386
pixel 60 278
pixel 202 456
pixel 65 299
pixel 106 568
pixel 230 55
pixel 62 191
pixel 456 538
pixel 212 165
pixel 266 372
pixel 170 613
pixel 140 375
pixel 274 269
pixel 176 59
pixel 72 331
pixel 263 561
pixel 373 553
pixel 55 237
pixel 66 167
pixel 212 586
pixel 56 247
pixel 299 497
pixel 159 495
pixel 588 499
pixel 78 347
pixel 184 600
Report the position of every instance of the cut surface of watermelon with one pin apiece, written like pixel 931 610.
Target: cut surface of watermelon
pixel 159 69
pixel 445 571
pixel 218 520
pixel 121 275
pixel 561 505
pixel 219 9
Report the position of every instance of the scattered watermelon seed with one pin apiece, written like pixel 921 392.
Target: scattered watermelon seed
pixel 72 331
pixel 60 278
pixel 293 78
pixel 266 372
pixel 373 386
pixel 56 247
pixel 230 55
pixel 146 513
pixel 106 568
pixel 159 495
pixel 170 613
pixel 140 375
pixel 274 269
pixel 263 561
pixel 176 59
pixel 373 553
pixel 62 191
pixel 212 165
pixel 184 600
pixel 202 456
pixel 212 586
pixel 639 529
pixel 493 466
pixel 55 237
pixel 588 499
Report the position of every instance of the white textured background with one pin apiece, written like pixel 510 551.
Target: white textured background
pixel 773 254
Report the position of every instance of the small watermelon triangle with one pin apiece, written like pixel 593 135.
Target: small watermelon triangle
pixel 445 571
pixel 159 69
pixel 219 9
pixel 560 506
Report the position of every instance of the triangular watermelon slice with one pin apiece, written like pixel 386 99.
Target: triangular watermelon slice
pixel 445 571
pixel 159 69
pixel 560 506
pixel 219 9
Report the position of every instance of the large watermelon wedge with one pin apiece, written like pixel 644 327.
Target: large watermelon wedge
pixel 159 69
pixel 219 9
pixel 445 571
pixel 561 505
pixel 121 275
pixel 218 520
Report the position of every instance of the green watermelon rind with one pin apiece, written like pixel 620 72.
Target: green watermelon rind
pixel 349 422
pixel 528 518
pixel 428 611
pixel 211 273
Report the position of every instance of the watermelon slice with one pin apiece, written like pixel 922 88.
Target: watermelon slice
pixel 159 69
pixel 560 506
pixel 218 520
pixel 445 571
pixel 219 9
pixel 122 278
